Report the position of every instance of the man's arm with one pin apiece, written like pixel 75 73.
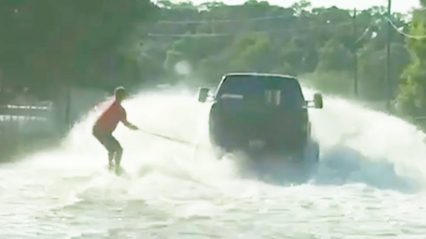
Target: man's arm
pixel 127 123
pixel 130 125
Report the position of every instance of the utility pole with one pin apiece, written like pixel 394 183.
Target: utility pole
pixel 1 82
pixel 388 58
pixel 355 53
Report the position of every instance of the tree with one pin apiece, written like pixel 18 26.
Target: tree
pixel 411 99
pixel 48 44
pixel 334 56
pixel 253 53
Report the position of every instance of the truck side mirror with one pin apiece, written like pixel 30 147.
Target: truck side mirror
pixel 203 93
pixel 318 102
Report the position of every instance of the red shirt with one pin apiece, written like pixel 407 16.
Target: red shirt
pixel 110 118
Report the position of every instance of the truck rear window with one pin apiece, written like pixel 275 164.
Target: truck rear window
pixel 265 90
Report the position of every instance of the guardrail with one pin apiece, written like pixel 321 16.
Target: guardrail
pixel 26 110
pixel 25 126
pixel 27 119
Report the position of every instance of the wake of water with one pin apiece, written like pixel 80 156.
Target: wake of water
pixel 172 190
pixel 357 145
pixel 366 146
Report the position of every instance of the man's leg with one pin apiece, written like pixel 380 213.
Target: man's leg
pixel 103 139
pixel 114 146
pixel 118 155
pixel 110 160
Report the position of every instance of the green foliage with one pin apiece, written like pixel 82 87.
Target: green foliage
pixel 332 82
pixel 372 67
pixel 47 44
pixel 411 99
pixel 253 53
pixel 334 56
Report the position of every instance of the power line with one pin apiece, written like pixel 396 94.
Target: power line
pixel 186 22
pixel 218 35
pixel 198 35
pixel 215 35
pixel 417 9
pixel 262 18
pixel 364 34
pixel 394 26
pixel 212 35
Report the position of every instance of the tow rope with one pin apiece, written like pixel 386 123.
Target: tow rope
pixel 181 141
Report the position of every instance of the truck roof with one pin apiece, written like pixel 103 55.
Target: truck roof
pixel 287 77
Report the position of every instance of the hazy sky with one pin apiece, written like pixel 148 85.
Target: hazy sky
pixel 398 5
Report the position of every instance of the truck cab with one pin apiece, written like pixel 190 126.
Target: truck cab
pixel 260 112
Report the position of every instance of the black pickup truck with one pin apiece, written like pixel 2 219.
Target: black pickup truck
pixel 254 112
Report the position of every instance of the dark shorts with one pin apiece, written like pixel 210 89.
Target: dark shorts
pixel 108 141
